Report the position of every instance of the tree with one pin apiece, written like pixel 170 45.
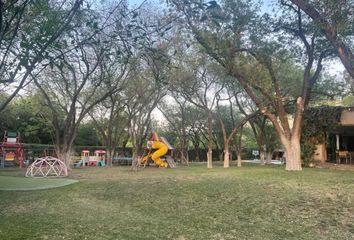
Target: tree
pixel 264 134
pixel 236 37
pixel 200 88
pixel 235 126
pixel 29 30
pixel 176 115
pixel 197 129
pixel 139 110
pixel 111 122
pixel 334 18
pixel 83 77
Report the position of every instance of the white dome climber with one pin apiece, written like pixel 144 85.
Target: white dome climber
pixel 47 167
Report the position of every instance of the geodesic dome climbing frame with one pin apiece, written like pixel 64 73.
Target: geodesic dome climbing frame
pixel 47 167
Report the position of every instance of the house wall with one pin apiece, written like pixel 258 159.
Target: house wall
pixel 346 120
pixel 320 153
pixel 347 117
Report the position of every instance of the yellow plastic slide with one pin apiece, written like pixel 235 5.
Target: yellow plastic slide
pixel 156 156
pixel 162 150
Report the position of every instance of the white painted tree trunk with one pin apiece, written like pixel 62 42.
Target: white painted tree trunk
pixel 262 157
pixel 269 156
pixel 65 156
pixel 110 155
pixel 135 160
pixel 210 158
pixel 293 155
pixel 226 157
pixel 239 159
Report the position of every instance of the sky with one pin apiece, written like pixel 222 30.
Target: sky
pixel 137 2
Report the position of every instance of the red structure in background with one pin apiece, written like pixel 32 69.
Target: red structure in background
pixel 11 149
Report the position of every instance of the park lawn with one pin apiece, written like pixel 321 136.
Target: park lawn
pixel 252 202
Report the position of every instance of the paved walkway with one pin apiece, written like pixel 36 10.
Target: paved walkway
pixel 257 161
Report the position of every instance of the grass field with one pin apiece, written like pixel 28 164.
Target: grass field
pixel 253 202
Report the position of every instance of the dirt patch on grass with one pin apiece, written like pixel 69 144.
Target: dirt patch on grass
pixel 335 166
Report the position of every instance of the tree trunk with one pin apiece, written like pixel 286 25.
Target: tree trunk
pixel 221 155
pixel 269 155
pixel 124 148
pixel 210 158
pixel 184 157
pixel 110 155
pixel 64 154
pixel 293 154
pixel 197 157
pixel 183 150
pixel 239 158
pixel 210 139
pixel 262 155
pixel 135 159
pixel 226 155
pixel 239 148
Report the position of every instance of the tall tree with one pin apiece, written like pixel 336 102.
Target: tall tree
pixel 144 95
pixel 197 129
pixel 235 125
pixel 176 115
pixel 111 121
pixel 264 134
pixel 83 77
pixel 200 88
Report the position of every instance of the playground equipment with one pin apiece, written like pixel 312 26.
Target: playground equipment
pixel 158 148
pixel 47 167
pixel 11 150
pixel 100 156
pixel 99 159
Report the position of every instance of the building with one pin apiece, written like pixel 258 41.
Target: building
pixel 339 145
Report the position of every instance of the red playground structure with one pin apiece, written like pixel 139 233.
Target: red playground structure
pixel 11 150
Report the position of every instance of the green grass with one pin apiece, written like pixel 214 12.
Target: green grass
pixel 252 202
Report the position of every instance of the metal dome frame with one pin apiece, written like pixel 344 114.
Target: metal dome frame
pixel 47 167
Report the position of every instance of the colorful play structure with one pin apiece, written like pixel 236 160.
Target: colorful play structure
pixel 99 159
pixel 159 150
pixel 11 150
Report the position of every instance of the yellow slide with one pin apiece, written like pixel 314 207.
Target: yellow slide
pixel 156 156
pixel 162 150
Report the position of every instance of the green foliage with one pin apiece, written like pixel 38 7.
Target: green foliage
pixel 329 89
pixel 348 101
pixel 339 13
pixel 27 116
pixel 87 135
pixel 317 123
